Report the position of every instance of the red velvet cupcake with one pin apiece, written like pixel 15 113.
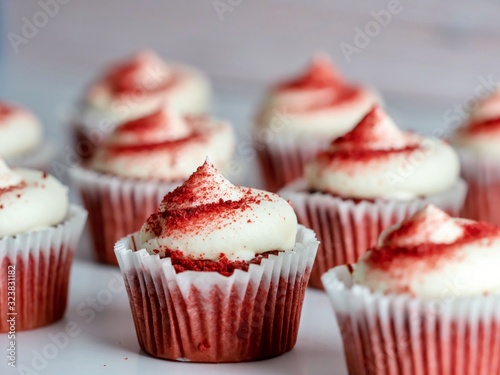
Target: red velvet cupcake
pixel 477 143
pixel 299 117
pixel 218 274
pixel 39 232
pixel 138 164
pixel 369 179
pixel 133 88
pixel 424 301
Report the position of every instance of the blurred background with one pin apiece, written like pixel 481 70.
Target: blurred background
pixel 424 56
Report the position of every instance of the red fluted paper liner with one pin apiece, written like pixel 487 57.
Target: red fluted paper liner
pixel 347 228
pixel 404 335
pixel 117 206
pixel 40 158
pixel 207 317
pixel 282 158
pixel 42 262
pixel 483 178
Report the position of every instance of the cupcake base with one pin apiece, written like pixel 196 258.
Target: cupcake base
pixel 347 228
pixel 39 265
pixel 116 206
pixel 207 317
pixel 401 335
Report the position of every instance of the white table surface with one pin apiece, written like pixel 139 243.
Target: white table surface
pixel 105 340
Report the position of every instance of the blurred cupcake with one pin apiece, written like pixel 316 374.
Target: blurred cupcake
pixel 299 116
pixel 478 145
pixel 21 138
pixel 132 89
pixel 218 274
pixel 138 164
pixel 39 232
pixel 424 301
pixel 369 179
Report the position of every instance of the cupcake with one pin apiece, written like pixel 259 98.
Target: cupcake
pixel 138 164
pixel 218 273
pixel 21 138
pixel 369 179
pixel 425 300
pixel 299 116
pixel 39 232
pixel 478 145
pixel 132 89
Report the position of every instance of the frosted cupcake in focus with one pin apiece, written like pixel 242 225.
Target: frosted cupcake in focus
pixel 218 273
pixel 39 232
pixel 367 180
pixel 138 164
pixel 298 118
pixel 478 144
pixel 425 300
pixel 21 138
pixel 134 88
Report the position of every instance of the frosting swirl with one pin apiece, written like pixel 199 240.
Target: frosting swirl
pixel 377 160
pixel 140 85
pixel 481 133
pixel 164 146
pixel 317 103
pixel 433 255
pixel 208 217
pixel 20 131
pixel 29 200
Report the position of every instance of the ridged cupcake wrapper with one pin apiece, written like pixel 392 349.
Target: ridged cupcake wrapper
pixel 346 229
pixel 207 317
pixel 483 178
pixel 117 206
pixel 401 335
pixel 42 262
pixel 282 159
pixel 40 158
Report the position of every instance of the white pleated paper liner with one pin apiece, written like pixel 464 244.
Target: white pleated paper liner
pixel 483 178
pixel 40 262
pixel 404 335
pixel 208 317
pixel 346 229
pixel 39 158
pixel 117 206
pixel 282 158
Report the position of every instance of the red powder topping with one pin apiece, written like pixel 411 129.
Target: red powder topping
pixel 223 265
pixel 320 74
pixel 44 174
pixel 21 185
pixel 487 126
pixel 5 110
pixel 115 149
pixel 143 124
pixel 363 154
pixel 383 257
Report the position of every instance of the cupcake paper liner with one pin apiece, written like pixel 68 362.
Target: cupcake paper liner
pixel 404 335
pixel 117 206
pixel 483 178
pixel 207 317
pixel 282 159
pixel 346 229
pixel 42 261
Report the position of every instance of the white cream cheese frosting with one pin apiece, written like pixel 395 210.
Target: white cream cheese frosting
pixel 434 256
pixel 208 216
pixel 480 134
pixel 164 146
pixel 140 85
pixel 378 160
pixel 320 103
pixel 29 200
pixel 20 131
